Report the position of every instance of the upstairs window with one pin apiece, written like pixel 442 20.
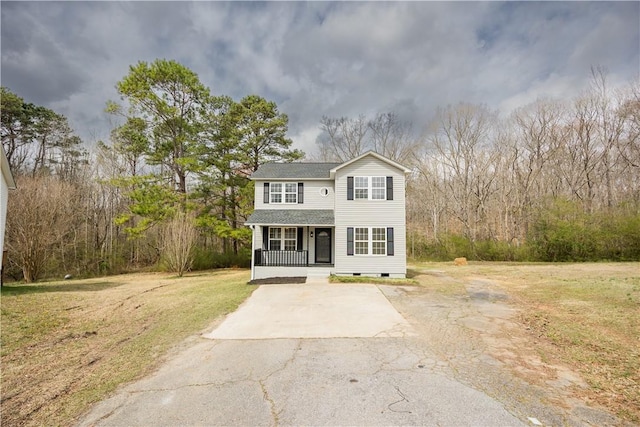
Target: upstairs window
pixel 369 188
pixel 283 192
pixel 276 192
pixel 291 192
pixel 361 186
pixel 378 188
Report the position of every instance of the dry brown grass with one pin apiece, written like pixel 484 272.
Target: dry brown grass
pixel 585 316
pixel 68 344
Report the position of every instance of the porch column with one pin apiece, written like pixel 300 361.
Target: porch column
pixel 253 252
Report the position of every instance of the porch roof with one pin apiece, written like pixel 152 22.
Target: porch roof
pixel 291 217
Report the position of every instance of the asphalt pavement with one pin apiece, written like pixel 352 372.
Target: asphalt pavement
pixel 305 355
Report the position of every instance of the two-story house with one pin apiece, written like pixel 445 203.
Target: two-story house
pixel 346 217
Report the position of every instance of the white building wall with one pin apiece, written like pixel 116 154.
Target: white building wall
pixel 6 182
pixel 4 197
pixel 370 213
pixel 267 272
pixel 312 197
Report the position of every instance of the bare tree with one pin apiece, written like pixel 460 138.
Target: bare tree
pixel 427 201
pixel 629 143
pixel 344 138
pixel 392 137
pixel 539 131
pixel 179 239
pixel 40 218
pixel 610 129
pixel 463 145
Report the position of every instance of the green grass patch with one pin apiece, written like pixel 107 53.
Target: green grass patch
pixel 376 280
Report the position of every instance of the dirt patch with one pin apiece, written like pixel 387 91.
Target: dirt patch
pixel 481 326
pixel 278 281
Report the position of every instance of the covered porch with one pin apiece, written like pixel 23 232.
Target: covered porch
pixel 286 243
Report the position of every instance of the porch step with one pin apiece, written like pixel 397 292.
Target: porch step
pixel 318 272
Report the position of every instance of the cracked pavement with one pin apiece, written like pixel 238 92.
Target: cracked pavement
pixel 434 368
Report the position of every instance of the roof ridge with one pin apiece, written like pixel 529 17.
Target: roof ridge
pixel 301 163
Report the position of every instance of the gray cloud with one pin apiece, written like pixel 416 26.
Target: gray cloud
pixel 319 58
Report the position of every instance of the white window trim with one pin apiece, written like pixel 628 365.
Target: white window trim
pixel 283 193
pixel 369 241
pixel 370 188
pixel 282 238
pixel 356 241
pixel 356 187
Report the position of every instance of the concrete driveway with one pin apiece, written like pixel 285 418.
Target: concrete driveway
pixel 305 355
pixel 318 311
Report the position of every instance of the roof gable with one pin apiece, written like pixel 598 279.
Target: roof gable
pixel 374 154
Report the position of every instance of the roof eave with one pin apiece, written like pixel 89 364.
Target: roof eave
pixel 289 179
pixel 395 164
pixel 290 224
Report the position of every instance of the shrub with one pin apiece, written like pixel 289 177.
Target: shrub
pixel 564 232
pixel 207 259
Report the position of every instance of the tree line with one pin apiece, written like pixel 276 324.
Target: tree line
pixel 555 180
pixel 170 188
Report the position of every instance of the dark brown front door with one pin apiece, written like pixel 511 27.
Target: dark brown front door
pixel 323 245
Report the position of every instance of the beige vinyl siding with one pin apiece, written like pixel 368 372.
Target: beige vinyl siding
pixel 370 213
pixel 312 197
pixel 266 272
pixel 258 238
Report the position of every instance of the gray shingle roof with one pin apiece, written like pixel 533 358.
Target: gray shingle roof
pixel 291 217
pixel 294 170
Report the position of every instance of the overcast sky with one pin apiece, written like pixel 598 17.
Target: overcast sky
pixel 319 58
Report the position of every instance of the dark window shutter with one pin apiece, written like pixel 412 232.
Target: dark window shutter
pixel 349 188
pixel 349 240
pixel 300 192
pixel 265 238
pixel 389 241
pixel 389 188
pixel 266 192
pixel 300 235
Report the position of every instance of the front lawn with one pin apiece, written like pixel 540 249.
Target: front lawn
pixel 66 345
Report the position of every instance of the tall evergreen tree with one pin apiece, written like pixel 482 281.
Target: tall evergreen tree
pixel 166 105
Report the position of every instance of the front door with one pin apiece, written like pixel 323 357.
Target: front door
pixel 323 245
